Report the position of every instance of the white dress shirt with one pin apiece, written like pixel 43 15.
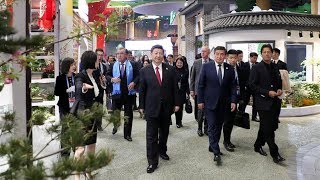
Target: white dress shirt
pixel 160 69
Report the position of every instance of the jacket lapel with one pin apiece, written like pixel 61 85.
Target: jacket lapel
pixel 164 74
pixel 215 72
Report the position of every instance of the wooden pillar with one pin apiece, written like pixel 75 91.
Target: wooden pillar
pixel 314 7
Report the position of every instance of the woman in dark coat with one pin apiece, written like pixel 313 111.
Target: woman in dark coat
pixel 87 92
pixel 182 75
pixel 65 89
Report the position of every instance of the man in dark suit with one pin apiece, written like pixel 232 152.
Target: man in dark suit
pixel 124 75
pixel 240 62
pixel 265 82
pixel 159 100
pixel 281 66
pixel 132 60
pixel 245 90
pixel 217 93
pixel 170 60
pixel 101 71
pixel 232 57
pixel 194 81
pixel 277 61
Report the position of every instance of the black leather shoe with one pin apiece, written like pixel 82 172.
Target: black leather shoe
pixel 164 156
pixel 255 119
pixel 200 134
pixel 128 138
pixel 217 158
pixel 260 151
pixel 228 147
pixel 151 168
pixel 206 132
pixel 278 159
pixel 100 128
pixel 232 145
pixel 114 131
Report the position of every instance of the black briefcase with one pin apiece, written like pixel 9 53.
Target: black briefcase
pixel 242 120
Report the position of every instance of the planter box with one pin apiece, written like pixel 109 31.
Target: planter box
pixel 295 111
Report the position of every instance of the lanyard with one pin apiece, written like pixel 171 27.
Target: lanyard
pixel 71 94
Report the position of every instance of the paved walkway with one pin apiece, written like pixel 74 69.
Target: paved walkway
pixel 298 140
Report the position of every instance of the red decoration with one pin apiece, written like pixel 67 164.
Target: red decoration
pixel 155 33
pixel 149 33
pixel 96 8
pixel 47 14
pixel 100 41
pixel 107 12
pixel 10 9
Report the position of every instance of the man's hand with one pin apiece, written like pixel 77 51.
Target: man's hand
pixel 201 106
pixel 131 86
pixel 176 108
pixel 192 94
pixel 115 80
pixel 233 107
pixel 141 111
pixel 279 92
pixel 272 94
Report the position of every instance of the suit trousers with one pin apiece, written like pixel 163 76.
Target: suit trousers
pixel 215 119
pixel 126 101
pixel 228 126
pixel 245 102
pixel 278 107
pixel 66 152
pixel 268 125
pixel 157 136
pixel 200 116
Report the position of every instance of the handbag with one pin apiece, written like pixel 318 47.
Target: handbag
pixel 242 120
pixel 188 106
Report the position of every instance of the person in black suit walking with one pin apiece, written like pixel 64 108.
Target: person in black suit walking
pixel 182 75
pixel 217 93
pixel 88 85
pixel 245 91
pixel 229 120
pixel 65 89
pixel 281 66
pixel 265 82
pixel 159 100
pixel 240 62
pixel 125 76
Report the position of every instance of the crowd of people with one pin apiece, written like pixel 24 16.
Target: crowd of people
pixel 220 88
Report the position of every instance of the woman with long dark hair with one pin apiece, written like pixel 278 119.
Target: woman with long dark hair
pixel 65 90
pixel 182 75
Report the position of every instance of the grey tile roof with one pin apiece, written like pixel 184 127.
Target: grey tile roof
pixel 263 20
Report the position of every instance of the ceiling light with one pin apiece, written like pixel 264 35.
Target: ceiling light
pixel 289 34
pixel 300 34
pixel 311 34
pixel 186 3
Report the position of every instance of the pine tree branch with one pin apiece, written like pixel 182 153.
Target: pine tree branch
pixel 52 139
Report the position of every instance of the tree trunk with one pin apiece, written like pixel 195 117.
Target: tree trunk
pixel 263 4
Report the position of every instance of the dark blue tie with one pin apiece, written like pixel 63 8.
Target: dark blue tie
pixel 122 70
pixel 220 74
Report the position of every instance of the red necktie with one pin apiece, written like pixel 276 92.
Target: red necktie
pixel 158 76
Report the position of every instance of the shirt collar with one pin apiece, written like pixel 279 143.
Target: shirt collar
pixel 154 66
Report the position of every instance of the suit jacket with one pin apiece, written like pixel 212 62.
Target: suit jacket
pixel 195 74
pixel 60 90
pixel 261 81
pixel 135 78
pixel 282 65
pixel 85 100
pixel 152 95
pixel 210 92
